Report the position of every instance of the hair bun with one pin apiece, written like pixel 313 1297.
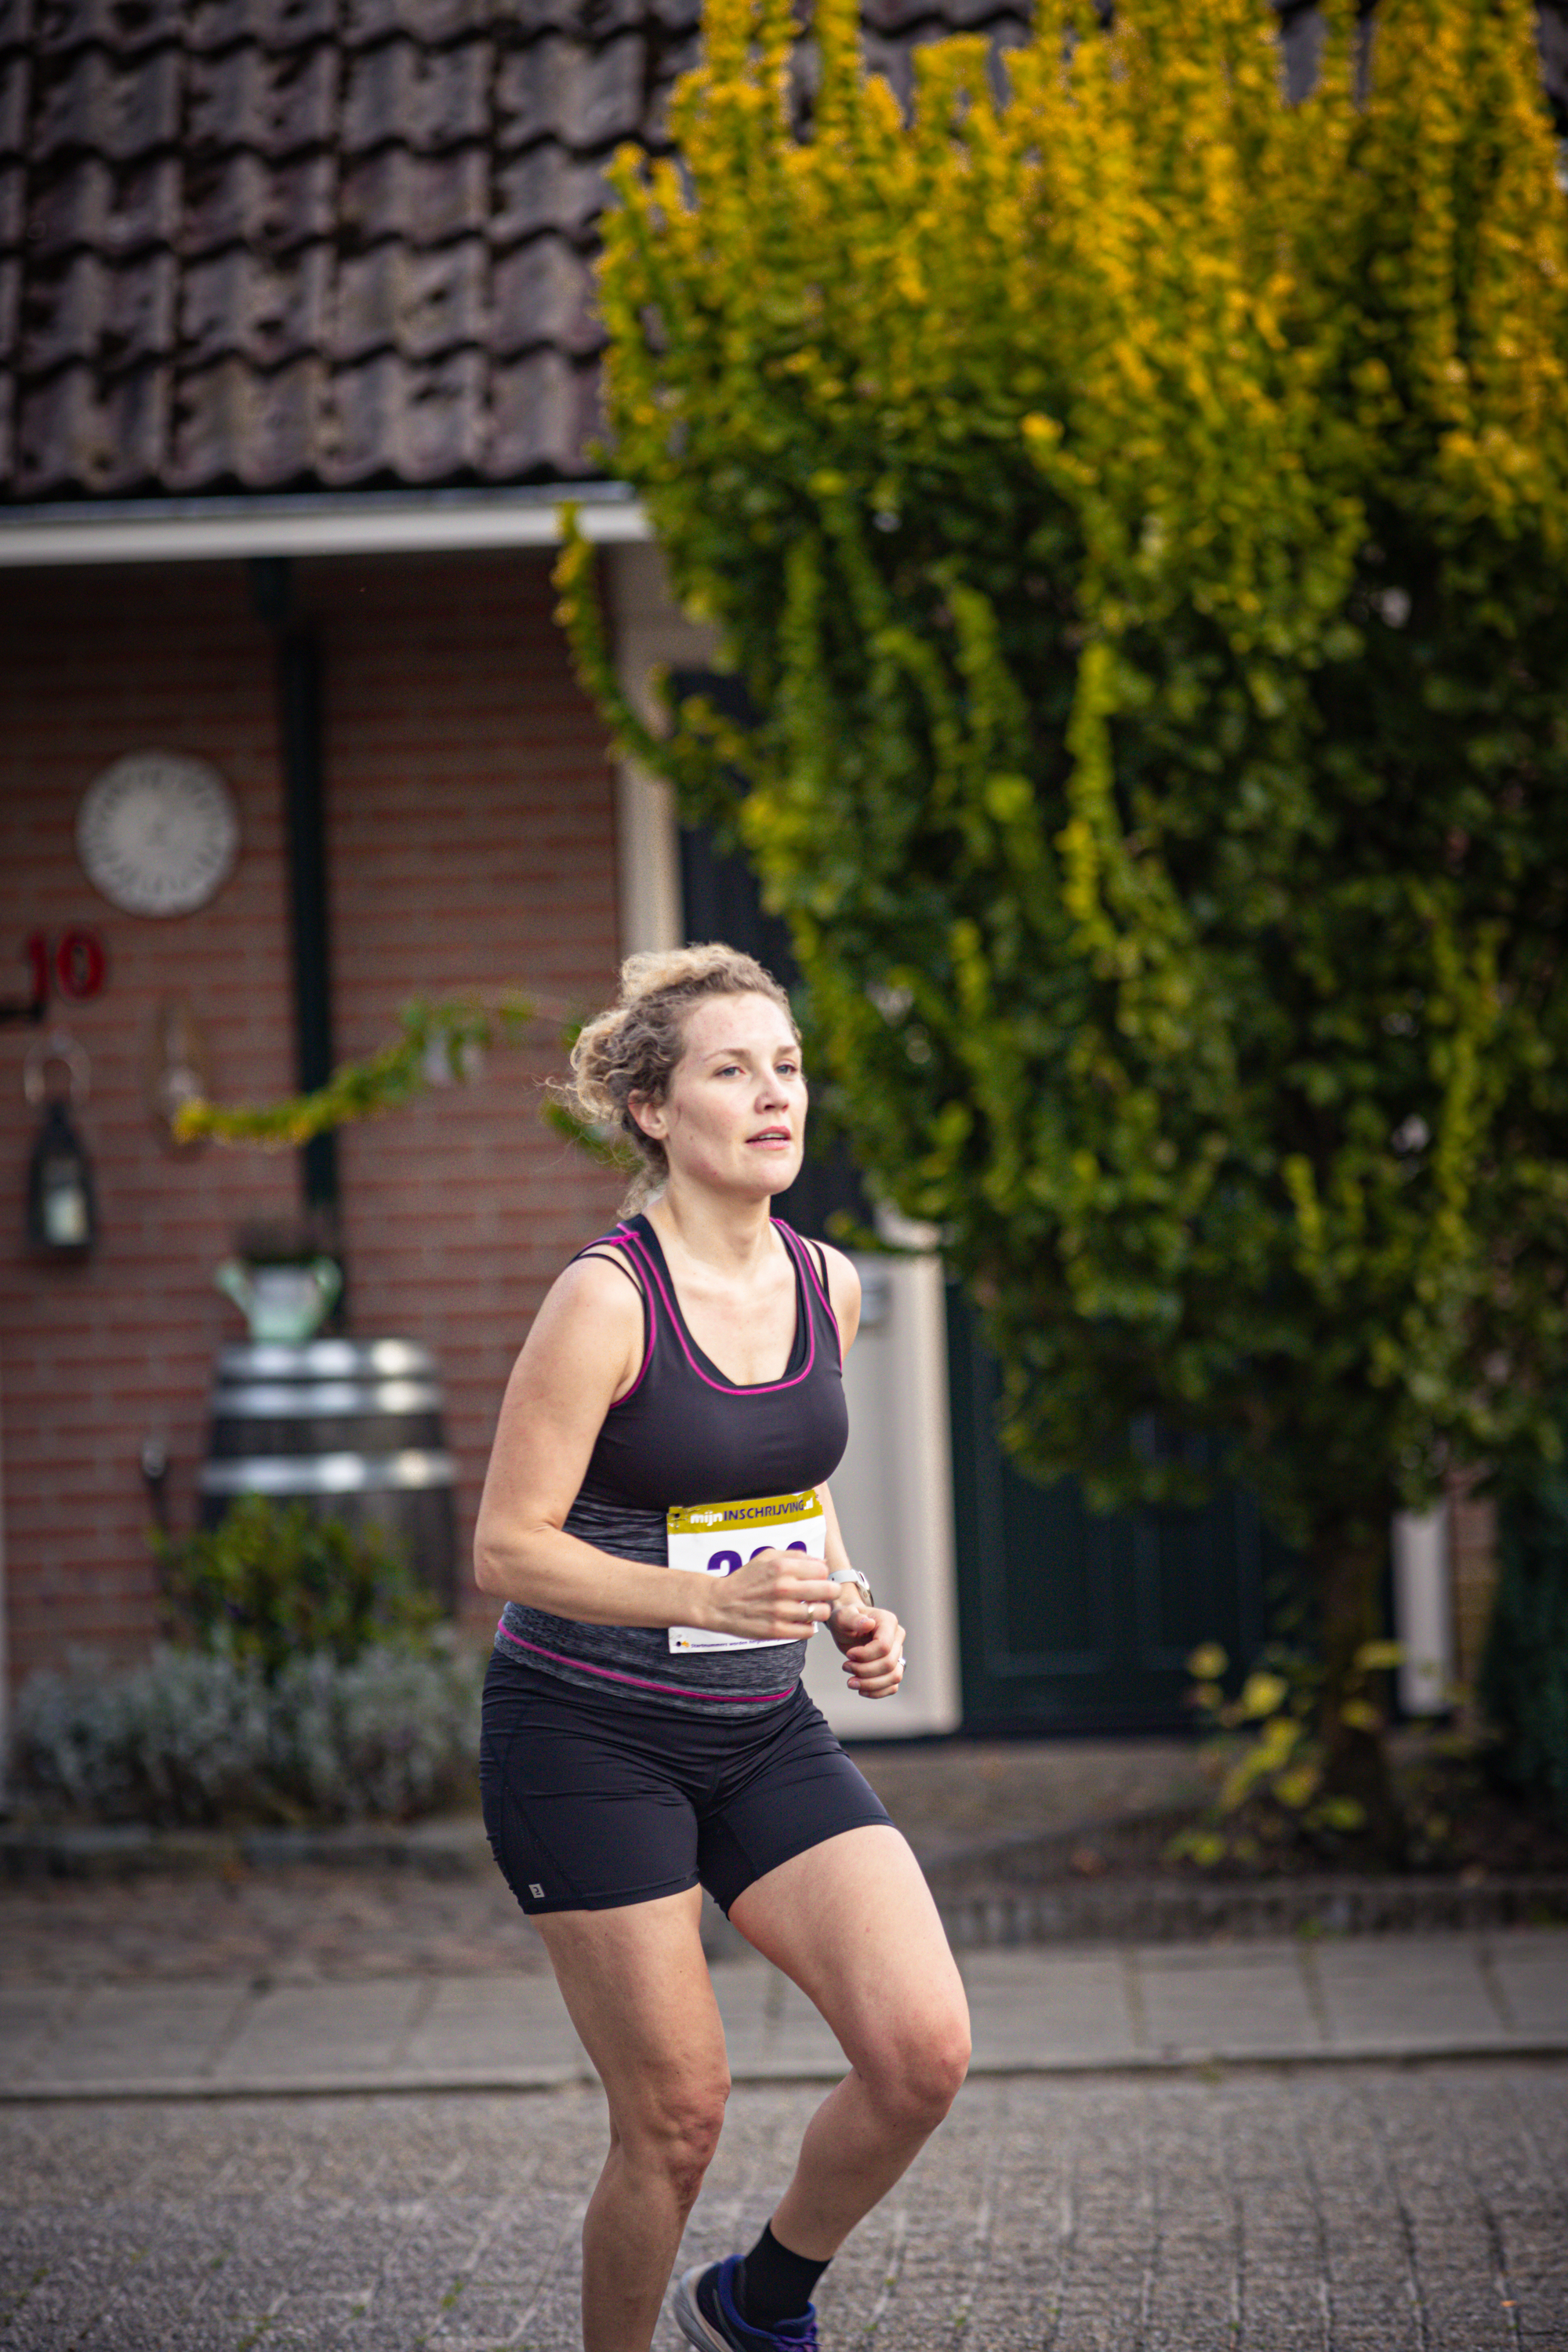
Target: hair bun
pixel 633 1047
pixel 693 971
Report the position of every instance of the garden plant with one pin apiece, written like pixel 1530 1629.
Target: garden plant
pixel 306 1677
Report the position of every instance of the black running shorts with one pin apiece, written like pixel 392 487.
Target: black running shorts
pixel 591 1803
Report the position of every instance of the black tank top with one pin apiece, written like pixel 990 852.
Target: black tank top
pixel 683 1433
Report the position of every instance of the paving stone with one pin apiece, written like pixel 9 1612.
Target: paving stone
pixel 1251 2002
pixel 1075 2013
pixel 138 2034
pixel 478 2026
pixel 29 2016
pixel 1257 2211
pixel 1531 1973
pixel 1374 1989
pixel 300 2031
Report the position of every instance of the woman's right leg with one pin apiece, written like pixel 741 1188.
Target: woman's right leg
pixel 638 1987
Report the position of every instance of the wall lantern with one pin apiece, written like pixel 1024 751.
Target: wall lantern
pixel 62 1219
pixel 176 1070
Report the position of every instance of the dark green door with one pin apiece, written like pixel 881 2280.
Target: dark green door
pixel 1070 1622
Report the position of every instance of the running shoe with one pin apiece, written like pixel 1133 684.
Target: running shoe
pixel 706 2314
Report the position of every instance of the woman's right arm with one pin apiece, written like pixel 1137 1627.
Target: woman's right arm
pixel 584 1351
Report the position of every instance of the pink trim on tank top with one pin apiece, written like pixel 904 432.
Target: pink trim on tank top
pixel 805 1248
pixel 618 1240
pixel 638 1682
pixel 727 1388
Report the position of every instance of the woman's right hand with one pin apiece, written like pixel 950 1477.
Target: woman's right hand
pixel 778 1596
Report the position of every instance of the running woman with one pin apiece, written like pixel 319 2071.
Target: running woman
pixel 657 1522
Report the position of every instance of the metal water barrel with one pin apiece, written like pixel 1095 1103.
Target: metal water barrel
pixel 353 1427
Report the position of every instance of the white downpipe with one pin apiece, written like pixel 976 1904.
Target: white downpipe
pixel 650 631
pixel 1423 1611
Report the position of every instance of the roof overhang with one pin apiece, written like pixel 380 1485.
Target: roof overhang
pixel 347 522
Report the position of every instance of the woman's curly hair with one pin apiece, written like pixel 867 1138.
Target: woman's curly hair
pixel 633 1048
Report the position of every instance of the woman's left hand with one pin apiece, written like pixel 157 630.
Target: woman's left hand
pixel 872 1641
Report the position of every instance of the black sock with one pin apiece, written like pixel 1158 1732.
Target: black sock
pixel 773 2284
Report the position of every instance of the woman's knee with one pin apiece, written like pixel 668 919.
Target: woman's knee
pixel 675 2131
pixel 915 2077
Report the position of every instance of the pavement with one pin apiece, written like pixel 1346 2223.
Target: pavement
pixel 1131 2009
pixel 1324 2208
pixel 299 2105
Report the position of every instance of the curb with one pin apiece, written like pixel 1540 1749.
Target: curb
pixel 1161 1911
pixel 442 1848
pixel 503 2079
pixel 1003 1909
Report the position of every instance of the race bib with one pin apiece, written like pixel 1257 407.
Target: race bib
pixel 720 1538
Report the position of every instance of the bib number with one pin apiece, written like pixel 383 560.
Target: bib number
pixel 717 1538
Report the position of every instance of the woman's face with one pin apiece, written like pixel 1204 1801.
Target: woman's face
pixel 734 1116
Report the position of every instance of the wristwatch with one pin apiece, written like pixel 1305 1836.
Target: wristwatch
pixel 851 1576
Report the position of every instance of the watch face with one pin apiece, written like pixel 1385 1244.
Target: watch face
pixel 158 833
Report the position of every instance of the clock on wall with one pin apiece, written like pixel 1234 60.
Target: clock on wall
pixel 158 833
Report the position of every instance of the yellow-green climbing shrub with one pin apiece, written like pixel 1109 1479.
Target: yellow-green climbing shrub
pixel 1135 505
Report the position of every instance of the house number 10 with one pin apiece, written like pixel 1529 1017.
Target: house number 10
pixel 75 963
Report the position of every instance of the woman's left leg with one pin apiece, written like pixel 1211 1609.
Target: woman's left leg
pixel 853 1922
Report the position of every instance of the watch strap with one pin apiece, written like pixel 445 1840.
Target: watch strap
pixel 852 1576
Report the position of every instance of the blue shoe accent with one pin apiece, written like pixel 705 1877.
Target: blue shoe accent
pixel 706 2314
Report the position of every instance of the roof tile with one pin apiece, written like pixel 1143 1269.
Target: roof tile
pixel 93 312
pixel 82 431
pixel 430 22
pixel 62 310
pixel 267 311
pixel 424 199
pixel 1552 35
pixel 85 201
pixel 595 20
pixel 12 206
pixel 544 294
pixel 419 424
pixel 234 422
pixel 545 187
pixel 7 423
pixel 17 23
pixel 415 303
pixel 125 26
pixel 542 408
pixel 272 205
pixel 425 98
pixel 115 108
pixel 587 97
pixel 10 300
pixel 250 97
pixel 16 99
pixel 274 24
pixel 677 56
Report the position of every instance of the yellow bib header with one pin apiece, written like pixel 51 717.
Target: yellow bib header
pixel 741 1518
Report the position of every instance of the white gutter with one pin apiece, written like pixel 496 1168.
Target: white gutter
pixel 373 522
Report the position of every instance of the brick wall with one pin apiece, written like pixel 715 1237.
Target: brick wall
pixel 470 839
